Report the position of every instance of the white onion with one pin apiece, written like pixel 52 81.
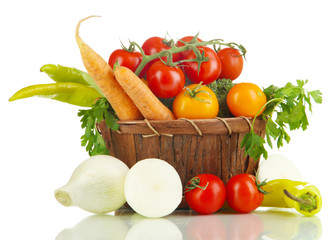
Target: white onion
pixel 96 185
pixel 153 188
pixel 277 166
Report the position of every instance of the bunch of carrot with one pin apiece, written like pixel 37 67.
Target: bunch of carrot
pixel 128 95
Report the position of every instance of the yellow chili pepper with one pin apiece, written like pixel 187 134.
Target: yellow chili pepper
pixel 302 196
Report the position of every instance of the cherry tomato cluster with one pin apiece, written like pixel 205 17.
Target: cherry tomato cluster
pixel 168 75
pixel 206 193
pixel 169 78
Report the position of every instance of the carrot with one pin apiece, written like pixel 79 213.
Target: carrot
pixel 148 104
pixel 103 76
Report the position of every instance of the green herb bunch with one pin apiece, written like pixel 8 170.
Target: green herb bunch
pixel 92 139
pixel 284 110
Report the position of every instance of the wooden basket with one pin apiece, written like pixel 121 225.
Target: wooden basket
pixel 191 146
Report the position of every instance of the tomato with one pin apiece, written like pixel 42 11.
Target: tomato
pixel 125 58
pixel 243 194
pixel 209 70
pixel 152 46
pixel 205 193
pixel 246 99
pixel 165 81
pixel 181 55
pixel 196 102
pixel 206 227
pixel 231 63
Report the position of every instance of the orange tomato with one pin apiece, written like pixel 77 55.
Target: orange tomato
pixel 196 102
pixel 246 99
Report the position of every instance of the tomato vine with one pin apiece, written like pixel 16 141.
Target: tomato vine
pixel 192 45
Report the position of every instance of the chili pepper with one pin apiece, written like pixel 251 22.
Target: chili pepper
pixel 68 92
pixel 302 196
pixel 60 73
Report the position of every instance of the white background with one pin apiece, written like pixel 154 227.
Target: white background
pixel 285 40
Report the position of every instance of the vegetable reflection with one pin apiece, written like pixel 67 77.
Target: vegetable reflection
pixel 153 229
pixel 98 227
pixel 282 225
pixel 263 224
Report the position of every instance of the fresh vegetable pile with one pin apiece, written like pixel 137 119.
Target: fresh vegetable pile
pixel 153 188
pixel 163 79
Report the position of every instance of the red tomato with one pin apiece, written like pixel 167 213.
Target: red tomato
pixel 152 46
pixel 209 70
pixel 125 58
pixel 231 63
pixel 205 193
pixel 181 55
pixel 165 81
pixel 243 194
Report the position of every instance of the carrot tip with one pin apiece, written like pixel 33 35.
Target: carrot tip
pixel 78 39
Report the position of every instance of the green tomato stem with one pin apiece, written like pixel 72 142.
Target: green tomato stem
pixel 194 183
pixel 188 46
pixel 194 92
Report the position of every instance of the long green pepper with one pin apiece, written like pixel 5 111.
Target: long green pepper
pixel 68 92
pixel 71 86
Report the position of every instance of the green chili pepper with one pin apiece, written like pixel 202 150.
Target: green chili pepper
pixel 68 92
pixel 302 196
pixel 60 73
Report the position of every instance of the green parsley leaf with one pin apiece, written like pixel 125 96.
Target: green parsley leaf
pixel 316 95
pixel 254 145
pixel 92 139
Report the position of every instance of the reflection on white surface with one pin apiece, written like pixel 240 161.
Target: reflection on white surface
pixel 260 225
pixel 150 228
pixel 98 227
pixel 284 225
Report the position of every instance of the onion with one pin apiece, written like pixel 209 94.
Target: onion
pixel 153 188
pixel 278 166
pixel 96 185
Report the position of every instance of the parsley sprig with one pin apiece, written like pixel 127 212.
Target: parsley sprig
pixel 285 109
pixel 92 139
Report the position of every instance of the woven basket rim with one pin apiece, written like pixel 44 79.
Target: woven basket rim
pixel 193 127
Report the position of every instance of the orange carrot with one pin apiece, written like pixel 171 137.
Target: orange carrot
pixel 103 75
pixel 148 104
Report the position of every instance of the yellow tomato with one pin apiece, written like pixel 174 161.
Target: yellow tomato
pixel 246 99
pixel 196 102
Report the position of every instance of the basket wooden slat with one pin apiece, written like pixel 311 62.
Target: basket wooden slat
pixel 207 126
pixel 179 143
